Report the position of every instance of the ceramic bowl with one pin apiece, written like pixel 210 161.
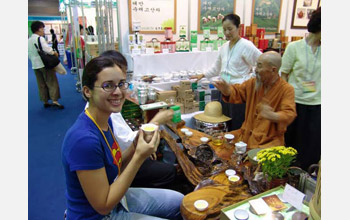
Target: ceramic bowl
pixel 252 155
pixel 230 172
pixel 204 140
pixel 201 205
pixel 184 130
pixel 234 178
pixel 188 133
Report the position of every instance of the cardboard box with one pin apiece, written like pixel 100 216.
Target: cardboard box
pixel 166 95
pixel 92 45
pixel 185 94
pixel 185 84
pixel 248 31
pixel 189 110
pixel 254 27
pixel 188 103
pixel 256 41
pixel 175 87
pixel 282 33
pixel 93 53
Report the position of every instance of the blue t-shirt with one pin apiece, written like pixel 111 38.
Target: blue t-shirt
pixel 84 148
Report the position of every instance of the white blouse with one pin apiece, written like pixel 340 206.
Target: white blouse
pixel 235 63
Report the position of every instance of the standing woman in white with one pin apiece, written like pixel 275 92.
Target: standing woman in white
pixel 301 67
pixel 234 65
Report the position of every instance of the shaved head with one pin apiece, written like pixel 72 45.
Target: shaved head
pixel 273 58
pixel 268 65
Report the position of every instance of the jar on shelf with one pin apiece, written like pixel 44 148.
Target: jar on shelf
pixel 168 33
pixel 152 95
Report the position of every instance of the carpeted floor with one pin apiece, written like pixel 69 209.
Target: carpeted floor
pixel 46 130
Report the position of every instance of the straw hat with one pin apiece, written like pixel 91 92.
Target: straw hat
pixel 212 113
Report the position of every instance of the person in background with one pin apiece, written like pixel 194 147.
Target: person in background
pixel 301 67
pixel 270 103
pixel 234 65
pixel 98 174
pixel 46 78
pixel 152 173
pixel 54 41
pixel 90 30
pixel 82 44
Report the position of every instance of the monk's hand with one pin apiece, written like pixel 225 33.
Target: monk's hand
pixel 266 111
pixel 223 86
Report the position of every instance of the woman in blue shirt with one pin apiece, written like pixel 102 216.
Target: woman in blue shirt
pixel 98 176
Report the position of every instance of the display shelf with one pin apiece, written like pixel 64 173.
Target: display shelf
pixel 160 64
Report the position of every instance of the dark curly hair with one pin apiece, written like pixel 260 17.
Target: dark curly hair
pixel 314 25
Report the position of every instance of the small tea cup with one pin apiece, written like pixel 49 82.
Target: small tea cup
pixel 148 130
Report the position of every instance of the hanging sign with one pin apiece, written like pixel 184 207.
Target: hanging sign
pixel 153 15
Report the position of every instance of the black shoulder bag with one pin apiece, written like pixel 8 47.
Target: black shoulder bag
pixel 50 61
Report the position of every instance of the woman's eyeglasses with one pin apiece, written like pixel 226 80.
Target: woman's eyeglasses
pixel 111 87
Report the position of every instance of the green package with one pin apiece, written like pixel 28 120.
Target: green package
pixel 206 32
pixel 220 32
pixel 177 113
pixel 203 45
pixel 194 37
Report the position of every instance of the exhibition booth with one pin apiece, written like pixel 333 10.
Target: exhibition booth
pixel 167 45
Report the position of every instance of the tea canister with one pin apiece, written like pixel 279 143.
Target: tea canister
pixel 142 97
pixel 152 95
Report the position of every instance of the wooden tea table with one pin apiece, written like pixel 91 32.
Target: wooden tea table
pixel 216 189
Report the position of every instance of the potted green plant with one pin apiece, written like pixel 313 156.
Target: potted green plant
pixel 275 162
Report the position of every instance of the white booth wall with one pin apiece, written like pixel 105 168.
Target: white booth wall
pixel 243 9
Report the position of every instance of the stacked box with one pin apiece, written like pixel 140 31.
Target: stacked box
pixel 256 41
pixel 248 31
pixel 195 106
pixel 282 33
pixel 165 96
pixel 92 48
pixel 185 95
pixel 185 84
pixel 254 27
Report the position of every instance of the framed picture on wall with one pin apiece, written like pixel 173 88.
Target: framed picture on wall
pixel 266 14
pixel 302 11
pixel 153 15
pixel 211 13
